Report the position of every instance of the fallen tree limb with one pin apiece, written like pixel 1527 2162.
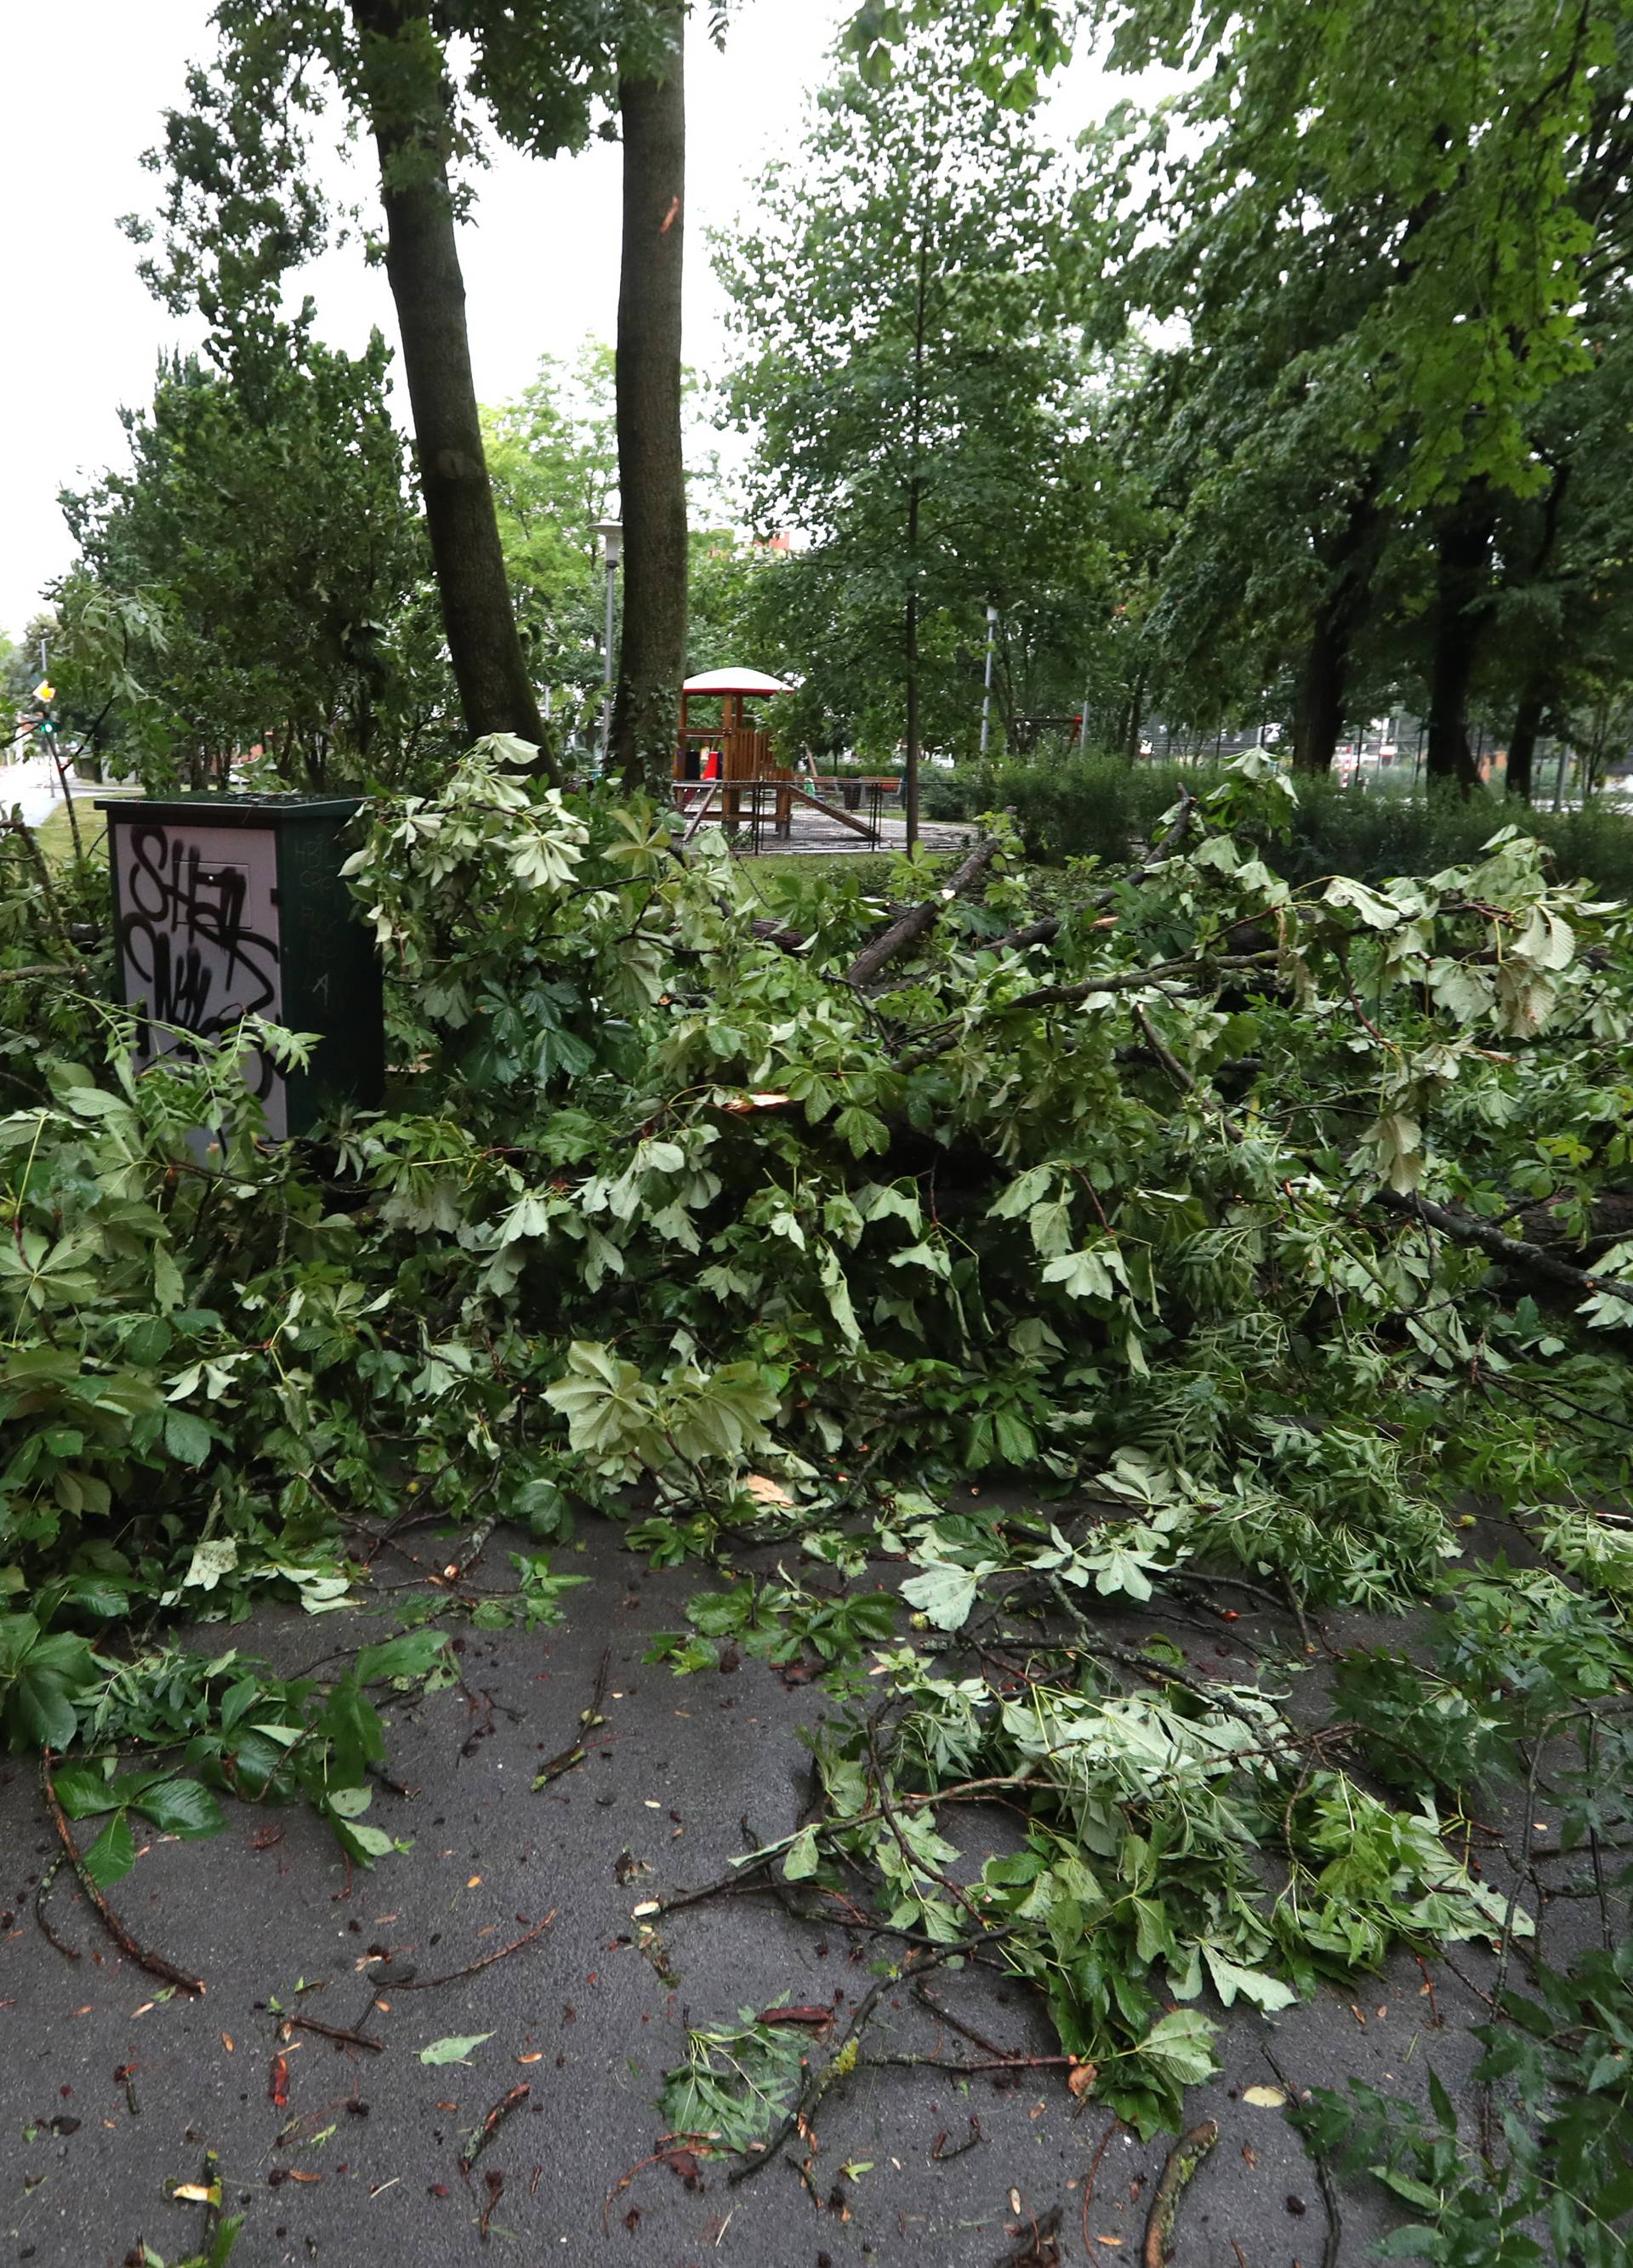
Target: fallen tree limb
pixel 1515 1252
pixel 155 1963
pixel 908 928
pixel 1046 931
pixel 942 1037
pixel 1184 2159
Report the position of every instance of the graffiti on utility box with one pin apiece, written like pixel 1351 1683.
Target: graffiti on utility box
pixel 234 906
pixel 198 939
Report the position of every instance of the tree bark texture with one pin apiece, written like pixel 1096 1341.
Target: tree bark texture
pixel 1462 580
pixel 412 132
pixel 1533 699
pixel 1319 718
pixel 652 475
pixel 1522 742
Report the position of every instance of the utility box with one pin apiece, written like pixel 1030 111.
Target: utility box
pixel 227 906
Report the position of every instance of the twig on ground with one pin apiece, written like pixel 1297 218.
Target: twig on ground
pixel 68 1952
pixel 940 2157
pixel 491 2125
pixel 588 1719
pixel 155 1963
pixel 336 2032
pixel 1187 2155
pixel 1334 2245
pixel 429 1984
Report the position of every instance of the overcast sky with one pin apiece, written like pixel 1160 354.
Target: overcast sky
pixel 88 80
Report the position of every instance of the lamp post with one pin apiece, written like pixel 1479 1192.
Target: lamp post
pixel 986 695
pixel 611 534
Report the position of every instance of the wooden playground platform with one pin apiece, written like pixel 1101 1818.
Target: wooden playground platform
pixel 727 777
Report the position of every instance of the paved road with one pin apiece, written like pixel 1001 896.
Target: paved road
pixel 108 2090
pixel 32 783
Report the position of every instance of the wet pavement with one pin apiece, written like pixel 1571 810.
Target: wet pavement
pixel 109 2090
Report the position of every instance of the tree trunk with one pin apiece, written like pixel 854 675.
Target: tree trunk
pixel 407 109
pixel 1319 714
pixel 910 780
pixel 1522 744
pixel 1136 701
pixel 1534 698
pixel 1461 590
pixel 652 477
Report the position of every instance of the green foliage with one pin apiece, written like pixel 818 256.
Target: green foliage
pixel 919 406
pixel 666 1217
pixel 259 577
pixel 1566 2140
pixel 1101 806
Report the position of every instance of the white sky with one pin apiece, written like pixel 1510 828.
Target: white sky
pixel 88 81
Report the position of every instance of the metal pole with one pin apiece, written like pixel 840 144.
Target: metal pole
pixel 611 534
pixel 986 695
pixel 605 704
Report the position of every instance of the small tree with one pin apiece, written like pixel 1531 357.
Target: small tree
pixel 904 366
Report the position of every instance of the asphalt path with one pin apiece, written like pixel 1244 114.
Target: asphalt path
pixel 112 2091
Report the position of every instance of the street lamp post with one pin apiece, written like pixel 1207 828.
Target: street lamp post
pixel 986 695
pixel 611 534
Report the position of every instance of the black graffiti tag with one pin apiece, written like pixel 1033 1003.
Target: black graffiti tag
pixel 185 945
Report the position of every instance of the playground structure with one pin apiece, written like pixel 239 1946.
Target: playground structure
pixel 726 769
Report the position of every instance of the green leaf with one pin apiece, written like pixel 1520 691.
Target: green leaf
pixel 453 2049
pixel 181 1807
pixel 945 1592
pixel 1182 2044
pixel 113 1854
pixel 186 1436
pixel 801 1858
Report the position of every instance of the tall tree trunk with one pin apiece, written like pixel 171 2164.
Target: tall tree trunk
pixel 1533 699
pixel 408 104
pixel 1522 742
pixel 1319 714
pixel 1136 710
pixel 652 477
pixel 915 489
pixel 910 650
pixel 1462 591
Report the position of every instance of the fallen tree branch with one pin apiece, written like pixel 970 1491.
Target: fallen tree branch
pixel 1193 966
pixel 843 2059
pixel 1184 2159
pixel 1046 931
pixel 908 928
pixel 155 1963
pixel 1468 1228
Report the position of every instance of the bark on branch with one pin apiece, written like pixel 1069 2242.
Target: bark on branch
pixel 1045 931
pixel 1513 1251
pixel 908 928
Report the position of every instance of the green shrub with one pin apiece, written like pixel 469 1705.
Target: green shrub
pixel 1066 807
pixel 1077 807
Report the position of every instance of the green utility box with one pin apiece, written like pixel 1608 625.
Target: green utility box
pixel 227 906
